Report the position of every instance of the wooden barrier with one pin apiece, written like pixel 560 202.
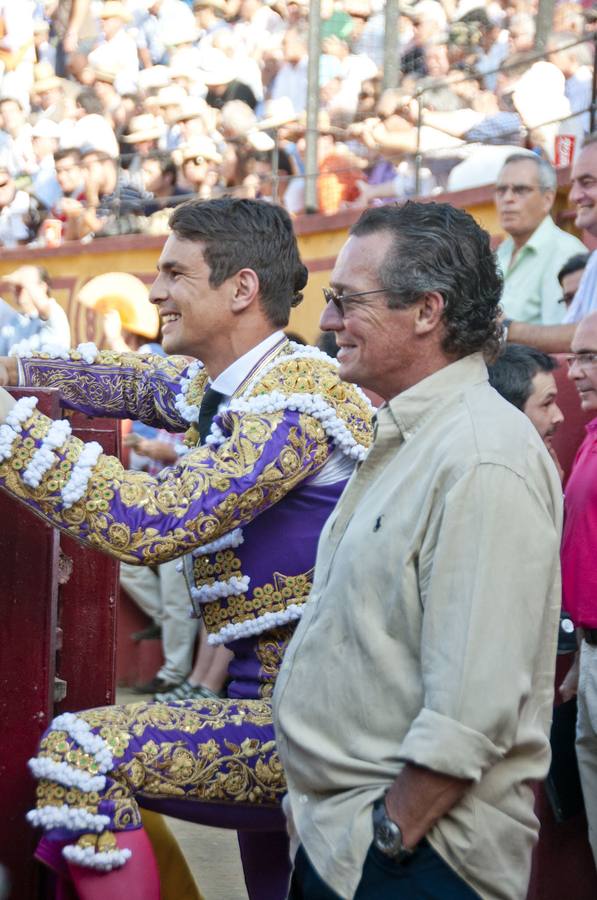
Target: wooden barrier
pixel 58 643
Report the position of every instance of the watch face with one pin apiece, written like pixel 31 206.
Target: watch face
pixel 387 837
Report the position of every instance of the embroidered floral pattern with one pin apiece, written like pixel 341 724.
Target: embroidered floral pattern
pixel 190 749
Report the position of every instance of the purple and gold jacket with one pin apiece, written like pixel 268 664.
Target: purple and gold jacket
pixel 244 511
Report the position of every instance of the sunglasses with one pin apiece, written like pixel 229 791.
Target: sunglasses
pixel 339 300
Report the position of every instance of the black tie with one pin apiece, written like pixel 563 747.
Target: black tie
pixel 209 407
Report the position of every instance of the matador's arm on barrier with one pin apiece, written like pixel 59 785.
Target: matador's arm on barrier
pixel 105 383
pixel 140 519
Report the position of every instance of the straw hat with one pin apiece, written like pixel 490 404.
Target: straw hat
pixel 176 36
pixel 172 95
pixel 113 9
pixel 104 74
pixel 210 4
pixel 260 141
pixel 153 77
pixel 128 296
pixel 219 69
pixel 44 78
pixel 199 147
pixel 143 128
pixel 277 113
pixel 191 108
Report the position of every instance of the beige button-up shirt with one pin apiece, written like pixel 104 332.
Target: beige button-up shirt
pixel 430 635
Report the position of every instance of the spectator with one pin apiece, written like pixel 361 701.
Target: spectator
pixel 223 84
pixel 44 138
pixel 574 61
pixel 118 50
pixel 522 32
pixel 144 131
pixel 492 50
pixel 259 181
pixel 291 80
pixel 578 569
pixel 39 318
pixel 71 203
pixel 16 151
pixel 429 23
pixel 92 128
pixel 17 52
pixel 153 21
pixel 536 248
pixel 20 213
pixel 74 28
pixel 210 17
pixel 104 80
pixel 160 176
pixel 257 51
pixel 258 21
pixel 524 377
pixel 48 94
pixel 113 204
pixel 583 193
pixel 199 161
pixel 570 276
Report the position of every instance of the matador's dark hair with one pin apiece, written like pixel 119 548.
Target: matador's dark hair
pixel 238 234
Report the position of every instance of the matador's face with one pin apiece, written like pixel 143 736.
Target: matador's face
pixel 195 316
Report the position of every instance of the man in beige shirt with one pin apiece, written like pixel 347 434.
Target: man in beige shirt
pixel 414 702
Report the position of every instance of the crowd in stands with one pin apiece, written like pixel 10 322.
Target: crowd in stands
pixel 113 112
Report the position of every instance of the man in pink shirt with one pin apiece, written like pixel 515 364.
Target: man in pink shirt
pixel 579 571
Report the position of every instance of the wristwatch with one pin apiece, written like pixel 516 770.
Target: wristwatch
pixel 387 835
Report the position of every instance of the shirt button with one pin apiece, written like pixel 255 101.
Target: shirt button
pixel 303 799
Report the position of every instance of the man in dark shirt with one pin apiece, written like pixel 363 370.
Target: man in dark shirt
pixel 222 84
pixel 429 21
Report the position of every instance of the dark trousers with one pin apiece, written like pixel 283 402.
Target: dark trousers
pixel 423 877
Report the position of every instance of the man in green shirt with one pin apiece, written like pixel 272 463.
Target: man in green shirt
pixel 535 249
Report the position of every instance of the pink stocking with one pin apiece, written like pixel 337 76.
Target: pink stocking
pixel 137 879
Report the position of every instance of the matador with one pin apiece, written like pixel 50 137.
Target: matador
pixel 243 510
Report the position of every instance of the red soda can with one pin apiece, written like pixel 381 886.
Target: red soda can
pixel 564 150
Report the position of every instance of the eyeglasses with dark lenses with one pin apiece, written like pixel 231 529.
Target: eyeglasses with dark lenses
pixel 331 296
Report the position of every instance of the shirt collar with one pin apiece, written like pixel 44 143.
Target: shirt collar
pixel 231 378
pixel 540 233
pixel 410 408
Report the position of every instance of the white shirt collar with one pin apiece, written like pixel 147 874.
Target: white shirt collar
pixel 231 378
